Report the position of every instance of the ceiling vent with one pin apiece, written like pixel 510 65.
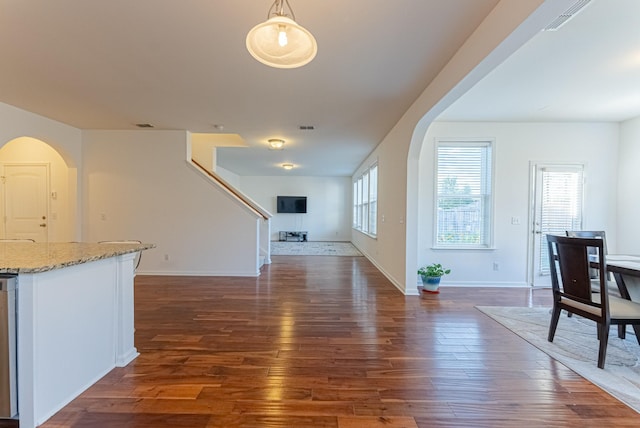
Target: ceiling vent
pixel 306 127
pixel 144 125
pixel 566 15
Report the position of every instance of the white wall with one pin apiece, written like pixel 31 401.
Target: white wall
pixel 516 146
pixel 138 185
pixel 66 140
pixel 149 200
pixel 61 218
pixel 228 176
pixel 204 153
pixel 628 180
pixel 328 216
pixel 21 123
pixel 509 25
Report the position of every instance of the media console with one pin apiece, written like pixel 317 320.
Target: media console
pixel 292 236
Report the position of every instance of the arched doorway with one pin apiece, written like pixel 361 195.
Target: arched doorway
pixel 37 192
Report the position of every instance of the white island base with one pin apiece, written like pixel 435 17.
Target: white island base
pixel 75 324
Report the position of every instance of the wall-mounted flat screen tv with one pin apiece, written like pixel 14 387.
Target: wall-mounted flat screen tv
pixel 292 204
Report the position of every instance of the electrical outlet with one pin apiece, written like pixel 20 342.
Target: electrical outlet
pixel 496 266
pixel 166 257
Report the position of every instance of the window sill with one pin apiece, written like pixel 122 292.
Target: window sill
pixel 365 233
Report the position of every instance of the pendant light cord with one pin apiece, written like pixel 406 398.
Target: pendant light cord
pixel 278 5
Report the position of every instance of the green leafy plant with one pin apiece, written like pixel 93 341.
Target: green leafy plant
pixel 434 269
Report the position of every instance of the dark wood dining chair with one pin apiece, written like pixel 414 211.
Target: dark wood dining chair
pixel 570 264
pixel 613 286
pixel 591 234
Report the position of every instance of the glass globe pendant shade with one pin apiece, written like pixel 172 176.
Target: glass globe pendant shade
pixel 280 42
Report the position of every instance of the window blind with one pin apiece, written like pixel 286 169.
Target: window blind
pixel 365 201
pixel 464 194
pixel 373 200
pixel 561 207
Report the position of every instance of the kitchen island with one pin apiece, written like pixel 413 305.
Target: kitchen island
pixel 75 319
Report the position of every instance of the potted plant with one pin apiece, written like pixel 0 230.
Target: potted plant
pixel 431 275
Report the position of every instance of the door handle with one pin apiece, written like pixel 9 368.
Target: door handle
pixel 43 224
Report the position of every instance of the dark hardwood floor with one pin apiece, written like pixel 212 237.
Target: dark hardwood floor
pixel 329 342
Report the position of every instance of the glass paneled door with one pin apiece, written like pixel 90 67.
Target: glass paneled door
pixel 556 207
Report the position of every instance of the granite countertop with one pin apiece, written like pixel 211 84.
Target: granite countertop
pixel 35 257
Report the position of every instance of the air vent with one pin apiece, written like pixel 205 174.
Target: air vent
pixel 567 15
pixel 144 125
pixel 306 127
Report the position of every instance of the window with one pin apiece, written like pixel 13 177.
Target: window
pixel 356 207
pixel 365 201
pixel 373 200
pixel 464 201
pixel 559 207
pixel 364 224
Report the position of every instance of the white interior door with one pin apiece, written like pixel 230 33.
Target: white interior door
pixel 556 207
pixel 26 202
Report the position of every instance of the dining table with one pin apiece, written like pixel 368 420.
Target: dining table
pixel 625 269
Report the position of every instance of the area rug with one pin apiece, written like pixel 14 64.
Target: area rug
pixel 576 346
pixel 313 249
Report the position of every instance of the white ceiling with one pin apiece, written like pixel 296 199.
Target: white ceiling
pixel 97 64
pixel 587 70
pixel 183 64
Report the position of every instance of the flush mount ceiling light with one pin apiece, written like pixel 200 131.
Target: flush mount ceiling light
pixel 279 41
pixel 287 166
pixel 276 144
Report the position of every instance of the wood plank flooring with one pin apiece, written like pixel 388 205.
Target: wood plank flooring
pixel 320 341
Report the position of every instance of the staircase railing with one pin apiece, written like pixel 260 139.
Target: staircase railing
pixel 264 230
pixel 266 215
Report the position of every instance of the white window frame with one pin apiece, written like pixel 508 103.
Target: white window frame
pixel 487 199
pixel 365 201
pixel 373 200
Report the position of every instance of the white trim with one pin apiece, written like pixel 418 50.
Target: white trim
pixel 531 240
pixel 354 185
pixel 387 275
pixel 197 273
pixel 470 142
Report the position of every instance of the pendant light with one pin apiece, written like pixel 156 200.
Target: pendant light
pixel 279 41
